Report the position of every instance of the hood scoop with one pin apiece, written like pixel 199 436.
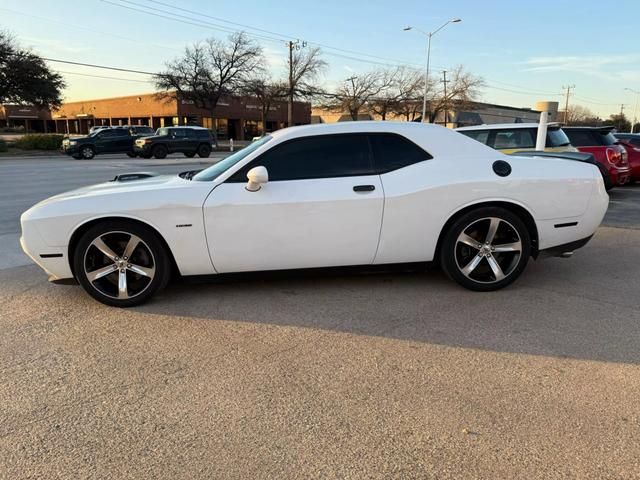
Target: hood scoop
pixel 129 177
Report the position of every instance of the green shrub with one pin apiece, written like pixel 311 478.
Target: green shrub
pixel 3 146
pixel 39 141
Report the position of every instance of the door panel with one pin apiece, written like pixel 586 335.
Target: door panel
pixel 294 224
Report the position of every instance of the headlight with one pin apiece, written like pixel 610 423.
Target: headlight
pixel 72 142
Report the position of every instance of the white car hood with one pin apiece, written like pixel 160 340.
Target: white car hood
pixel 151 183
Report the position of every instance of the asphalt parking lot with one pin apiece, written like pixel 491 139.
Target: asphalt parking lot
pixel 398 375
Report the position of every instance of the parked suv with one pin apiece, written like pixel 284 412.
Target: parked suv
pixel 631 142
pixel 186 140
pixel 514 137
pixel 103 140
pixel 600 142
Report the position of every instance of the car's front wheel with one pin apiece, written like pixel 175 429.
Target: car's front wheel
pixel 160 151
pixel 87 152
pixel 121 264
pixel 486 249
pixel 132 154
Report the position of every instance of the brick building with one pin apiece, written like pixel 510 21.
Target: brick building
pixel 236 117
pixel 28 117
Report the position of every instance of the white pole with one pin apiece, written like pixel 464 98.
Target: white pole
pixel 231 144
pixel 541 141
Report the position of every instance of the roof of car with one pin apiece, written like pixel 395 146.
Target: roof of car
pixel 192 127
pixel 500 126
pixel 435 139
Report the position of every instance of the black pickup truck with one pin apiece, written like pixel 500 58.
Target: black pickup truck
pixel 107 140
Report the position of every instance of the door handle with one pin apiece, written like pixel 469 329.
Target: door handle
pixel 364 188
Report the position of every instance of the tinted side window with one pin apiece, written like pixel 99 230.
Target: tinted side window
pixel 391 152
pixel 516 138
pixel 581 138
pixel 201 133
pixel 179 132
pixel 107 133
pixel 322 156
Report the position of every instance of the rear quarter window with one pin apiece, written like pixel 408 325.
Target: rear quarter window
pixel 516 138
pixel 392 151
pixel 557 138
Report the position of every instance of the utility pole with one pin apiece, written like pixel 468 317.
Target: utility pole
pixel 621 116
pixel 292 46
pixel 446 106
pixel 566 103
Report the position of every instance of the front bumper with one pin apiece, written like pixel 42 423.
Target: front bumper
pixel 53 260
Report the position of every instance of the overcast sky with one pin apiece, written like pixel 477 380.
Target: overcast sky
pixel 526 51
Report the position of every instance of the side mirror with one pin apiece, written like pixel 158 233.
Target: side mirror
pixel 256 176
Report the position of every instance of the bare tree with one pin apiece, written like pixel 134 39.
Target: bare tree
pixel 462 89
pixel 209 70
pixel 266 92
pixel 577 114
pixel 402 95
pixel 358 92
pixel 305 67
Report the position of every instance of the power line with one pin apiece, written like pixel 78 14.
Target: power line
pixel 105 77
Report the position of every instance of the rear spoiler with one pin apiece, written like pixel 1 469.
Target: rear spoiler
pixel 577 156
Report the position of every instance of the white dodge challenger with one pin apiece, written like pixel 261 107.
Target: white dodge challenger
pixel 346 194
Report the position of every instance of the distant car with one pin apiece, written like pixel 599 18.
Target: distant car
pixel 187 140
pixel 102 140
pixel 606 149
pixel 514 137
pixel 327 195
pixel 631 142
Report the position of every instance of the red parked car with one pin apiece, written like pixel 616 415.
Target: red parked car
pixel 600 142
pixel 631 141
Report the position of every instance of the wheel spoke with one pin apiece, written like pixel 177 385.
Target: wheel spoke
pixel 471 266
pixel 104 248
pixel 144 271
pixel 101 272
pixel 123 293
pixel 468 240
pixel 493 228
pixel 131 246
pixel 497 271
pixel 508 247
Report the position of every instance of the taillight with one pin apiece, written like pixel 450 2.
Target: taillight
pixel 614 156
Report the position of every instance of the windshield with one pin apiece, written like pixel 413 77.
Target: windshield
pixel 557 138
pixel 214 171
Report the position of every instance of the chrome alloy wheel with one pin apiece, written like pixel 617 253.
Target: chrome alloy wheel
pixel 119 265
pixel 488 250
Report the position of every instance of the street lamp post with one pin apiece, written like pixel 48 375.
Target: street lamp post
pixel 635 110
pixel 426 72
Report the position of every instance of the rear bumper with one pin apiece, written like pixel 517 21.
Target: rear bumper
pixel 561 250
pixel 620 176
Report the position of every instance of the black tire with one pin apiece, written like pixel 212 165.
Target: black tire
pixel 189 154
pixel 87 152
pixel 132 154
pixel 146 156
pixel 148 256
pixel 160 151
pixel 204 151
pixel 473 265
pixel 77 156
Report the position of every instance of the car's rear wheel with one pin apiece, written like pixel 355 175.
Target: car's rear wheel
pixel 121 264
pixel 160 151
pixel 204 151
pixel 486 249
pixel 87 152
